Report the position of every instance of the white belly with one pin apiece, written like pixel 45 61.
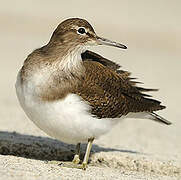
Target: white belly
pixel 67 120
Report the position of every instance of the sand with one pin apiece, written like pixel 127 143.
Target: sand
pixel 134 149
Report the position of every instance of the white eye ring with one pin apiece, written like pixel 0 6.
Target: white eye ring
pixel 81 31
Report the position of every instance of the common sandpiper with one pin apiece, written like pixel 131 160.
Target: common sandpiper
pixel 76 95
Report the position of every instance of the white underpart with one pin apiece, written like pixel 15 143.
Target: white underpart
pixel 68 119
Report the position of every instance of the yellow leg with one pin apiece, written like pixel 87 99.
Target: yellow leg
pixel 86 157
pixel 76 159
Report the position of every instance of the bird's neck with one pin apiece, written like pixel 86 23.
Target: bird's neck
pixel 71 62
pixel 53 71
pixel 61 62
pixel 66 58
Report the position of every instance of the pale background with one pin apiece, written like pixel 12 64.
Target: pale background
pixel 150 29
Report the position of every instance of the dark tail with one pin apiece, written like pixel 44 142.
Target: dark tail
pixel 159 119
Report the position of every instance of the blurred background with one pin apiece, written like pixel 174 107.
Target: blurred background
pixel 150 29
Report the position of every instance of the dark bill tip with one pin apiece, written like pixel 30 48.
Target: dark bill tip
pixel 103 41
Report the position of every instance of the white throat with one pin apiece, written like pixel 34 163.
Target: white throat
pixel 72 61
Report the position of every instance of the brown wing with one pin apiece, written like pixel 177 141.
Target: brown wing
pixel 91 56
pixel 110 92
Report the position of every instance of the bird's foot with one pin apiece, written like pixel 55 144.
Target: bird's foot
pixel 76 159
pixel 74 164
pixel 82 166
pixel 54 162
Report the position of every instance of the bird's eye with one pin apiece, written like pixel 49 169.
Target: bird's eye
pixel 81 31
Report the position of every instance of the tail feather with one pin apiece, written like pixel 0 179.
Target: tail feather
pixel 159 119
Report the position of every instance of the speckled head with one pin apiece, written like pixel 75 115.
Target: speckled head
pixel 78 32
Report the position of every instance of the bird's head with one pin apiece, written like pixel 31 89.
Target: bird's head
pixel 77 32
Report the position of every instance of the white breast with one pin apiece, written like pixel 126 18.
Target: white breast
pixel 67 120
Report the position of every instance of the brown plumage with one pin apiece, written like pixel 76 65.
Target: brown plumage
pixel 109 91
pixel 65 89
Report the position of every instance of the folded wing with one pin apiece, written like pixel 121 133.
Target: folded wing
pixel 110 91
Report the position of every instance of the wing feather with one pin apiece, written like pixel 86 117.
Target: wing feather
pixel 110 91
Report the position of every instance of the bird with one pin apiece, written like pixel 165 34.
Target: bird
pixel 76 95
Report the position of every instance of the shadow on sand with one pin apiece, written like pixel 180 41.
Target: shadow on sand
pixel 43 148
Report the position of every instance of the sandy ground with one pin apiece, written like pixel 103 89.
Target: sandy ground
pixel 135 149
